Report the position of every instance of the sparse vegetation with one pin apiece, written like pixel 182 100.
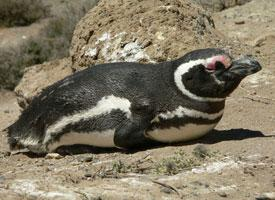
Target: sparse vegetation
pixel 119 167
pixel 53 42
pixel 178 162
pixel 201 152
pixel 21 12
pixel 14 60
pixel 174 164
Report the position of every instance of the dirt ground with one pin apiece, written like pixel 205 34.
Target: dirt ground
pixel 236 161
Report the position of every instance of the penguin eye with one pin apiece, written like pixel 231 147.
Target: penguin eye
pixel 219 62
pixel 219 66
pixel 210 67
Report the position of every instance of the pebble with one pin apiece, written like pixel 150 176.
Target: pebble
pixel 19 165
pixel 53 156
pixel 88 175
pixel 266 196
pixel 86 159
pixel 166 190
pixel 240 22
pixel 2 179
pixel 5 153
pixel 222 194
pixel 249 171
pixel 47 169
pixel 146 43
pixel 201 184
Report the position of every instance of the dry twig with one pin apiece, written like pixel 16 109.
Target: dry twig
pixel 167 186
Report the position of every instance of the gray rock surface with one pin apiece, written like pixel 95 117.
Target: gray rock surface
pixel 218 5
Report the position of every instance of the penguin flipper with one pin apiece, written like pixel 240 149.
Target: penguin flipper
pixel 131 134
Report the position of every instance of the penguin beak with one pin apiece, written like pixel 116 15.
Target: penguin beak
pixel 244 66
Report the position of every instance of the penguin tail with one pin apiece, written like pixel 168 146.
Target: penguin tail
pixel 21 141
pixel 13 138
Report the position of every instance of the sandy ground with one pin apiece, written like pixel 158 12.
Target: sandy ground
pixel 240 153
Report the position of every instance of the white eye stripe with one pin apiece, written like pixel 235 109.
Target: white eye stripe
pixel 184 68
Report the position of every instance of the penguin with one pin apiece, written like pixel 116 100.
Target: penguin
pixel 128 105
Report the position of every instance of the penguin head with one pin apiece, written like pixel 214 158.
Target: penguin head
pixel 212 74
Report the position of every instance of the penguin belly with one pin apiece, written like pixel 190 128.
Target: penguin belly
pixel 181 133
pixel 94 138
pixel 182 124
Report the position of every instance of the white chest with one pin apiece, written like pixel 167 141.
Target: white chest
pixel 95 138
pixel 183 133
pixel 186 131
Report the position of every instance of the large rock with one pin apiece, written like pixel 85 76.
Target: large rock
pixel 142 31
pixel 40 76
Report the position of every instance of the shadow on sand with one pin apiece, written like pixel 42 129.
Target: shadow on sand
pixel 217 136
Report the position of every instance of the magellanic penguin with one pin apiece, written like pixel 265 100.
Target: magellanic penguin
pixel 129 105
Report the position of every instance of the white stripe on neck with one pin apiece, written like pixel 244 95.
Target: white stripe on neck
pixel 184 68
pixel 181 111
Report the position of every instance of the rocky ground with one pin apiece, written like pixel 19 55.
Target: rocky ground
pixel 236 161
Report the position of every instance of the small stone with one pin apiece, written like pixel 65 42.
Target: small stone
pixel 87 159
pixel 247 170
pixel 19 165
pixel 2 179
pixel 166 190
pixel 95 198
pixel 146 43
pixel 47 169
pixel 53 156
pixel 199 183
pixel 240 22
pixel 5 153
pixel 87 175
pixel 75 163
pixel 222 194
pixel 266 196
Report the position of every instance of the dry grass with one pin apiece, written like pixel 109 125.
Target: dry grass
pixel 53 42
pixel 21 12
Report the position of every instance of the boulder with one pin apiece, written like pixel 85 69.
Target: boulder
pixel 142 31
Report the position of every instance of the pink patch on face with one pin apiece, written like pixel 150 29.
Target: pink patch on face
pixel 225 60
